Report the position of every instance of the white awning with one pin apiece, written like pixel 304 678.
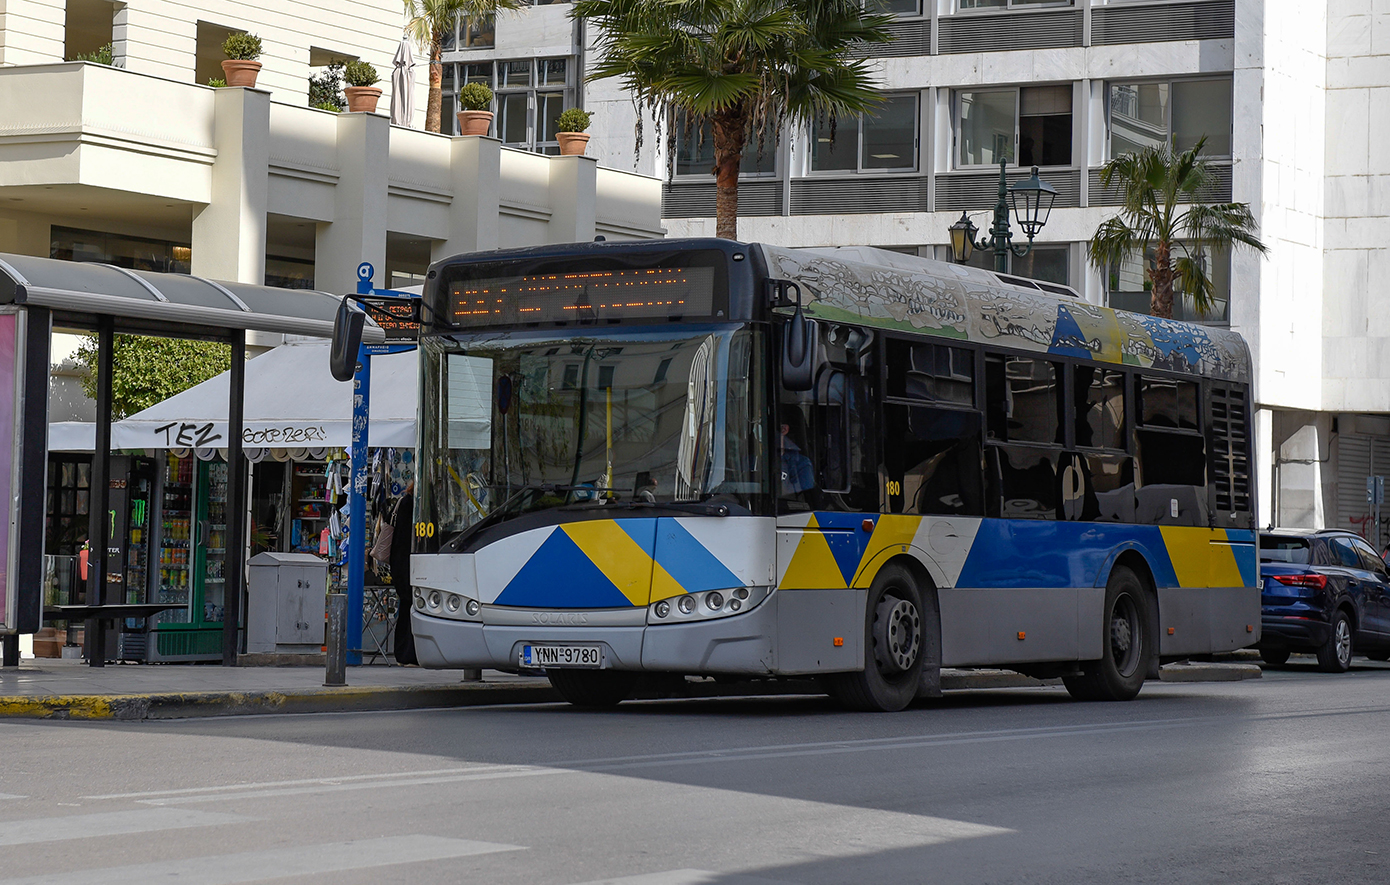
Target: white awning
pixel 291 402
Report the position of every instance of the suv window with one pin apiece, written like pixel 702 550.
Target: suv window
pixel 1369 560
pixel 1344 554
pixel 1277 549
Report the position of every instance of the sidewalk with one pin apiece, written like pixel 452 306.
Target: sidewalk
pixel 49 688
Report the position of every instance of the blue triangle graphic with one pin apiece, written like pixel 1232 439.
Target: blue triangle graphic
pixel 1067 338
pixel 559 575
pixel 846 539
pixel 687 561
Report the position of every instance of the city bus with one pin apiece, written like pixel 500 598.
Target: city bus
pixel 710 458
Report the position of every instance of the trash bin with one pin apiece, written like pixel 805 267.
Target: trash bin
pixel 285 603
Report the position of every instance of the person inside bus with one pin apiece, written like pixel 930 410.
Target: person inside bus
pixel 798 473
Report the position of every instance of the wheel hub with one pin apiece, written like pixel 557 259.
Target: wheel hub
pixel 897 635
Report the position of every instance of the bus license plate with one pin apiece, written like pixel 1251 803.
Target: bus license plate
pixel 561 656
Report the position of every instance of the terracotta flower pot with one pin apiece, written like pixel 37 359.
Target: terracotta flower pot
pixel 362 98
pixel 572 143
pixel 474 122
pixel 240 73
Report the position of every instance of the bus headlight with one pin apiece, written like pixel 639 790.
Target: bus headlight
pixel 706 605
pixel 443 604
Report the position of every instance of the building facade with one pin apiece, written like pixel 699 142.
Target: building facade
pixel 1289 97
pixel 140 163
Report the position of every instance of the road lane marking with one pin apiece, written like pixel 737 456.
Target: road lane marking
pixel 428 777
pixel 620 764
pixel 109 823
pixel 276 863
pixel 688 877
pixel 4 796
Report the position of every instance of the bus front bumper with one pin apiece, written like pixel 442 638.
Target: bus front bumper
pixel 744 645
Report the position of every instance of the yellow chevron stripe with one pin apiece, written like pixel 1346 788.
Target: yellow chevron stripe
pixel 1200 556
pixel 813 566
pixel 892 530
pixel 615 554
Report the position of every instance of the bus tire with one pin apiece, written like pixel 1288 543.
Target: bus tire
pixel 894 636
pixel 1126 645
pixel 593 688
pixel 1275 657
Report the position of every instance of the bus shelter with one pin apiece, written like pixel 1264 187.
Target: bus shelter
pixel 38 295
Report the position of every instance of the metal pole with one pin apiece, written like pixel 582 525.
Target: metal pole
pixel 1000 231
pixel 335 661
pixel 357 506
pixel 33 474
pixel 99 496
pixel 234 560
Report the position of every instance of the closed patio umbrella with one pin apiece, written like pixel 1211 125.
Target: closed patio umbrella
pixel 403 84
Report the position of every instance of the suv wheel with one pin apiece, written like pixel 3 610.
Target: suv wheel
pixel 1334 655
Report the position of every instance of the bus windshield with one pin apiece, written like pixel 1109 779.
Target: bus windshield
pixel 518 423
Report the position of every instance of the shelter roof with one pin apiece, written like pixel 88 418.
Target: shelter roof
pixel 165 303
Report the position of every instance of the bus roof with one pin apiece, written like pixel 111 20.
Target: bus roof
pixel 889 290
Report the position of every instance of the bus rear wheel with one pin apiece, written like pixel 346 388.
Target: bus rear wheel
pixel 593 688
pixel 1126 647
pixel 893 646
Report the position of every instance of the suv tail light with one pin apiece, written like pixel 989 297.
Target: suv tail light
pixel 1311 581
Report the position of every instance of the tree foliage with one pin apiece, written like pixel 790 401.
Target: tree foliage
pixel 427 21
pixel 1164 221
pixel 326 88
pixel 747 67
pixel 146 371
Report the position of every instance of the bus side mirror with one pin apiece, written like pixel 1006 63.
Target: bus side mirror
pixel 799 345
pixel 347 340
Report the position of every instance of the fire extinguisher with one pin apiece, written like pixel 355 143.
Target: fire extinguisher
pixel 82 556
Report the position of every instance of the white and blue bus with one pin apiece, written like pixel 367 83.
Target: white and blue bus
pixel 705 457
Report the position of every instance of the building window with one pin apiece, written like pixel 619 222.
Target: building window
pixel 884 140
pixel 528 94
pixel 135 253
pixel 1180 112
pixel 1131 289
pixel 1032 123
pixel 1051 264
pixel 695 151
pixel 894 7
pixel 972 5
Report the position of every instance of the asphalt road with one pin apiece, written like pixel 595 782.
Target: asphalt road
pixel 1284 779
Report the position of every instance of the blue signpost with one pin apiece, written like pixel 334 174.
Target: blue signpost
pixel 355 549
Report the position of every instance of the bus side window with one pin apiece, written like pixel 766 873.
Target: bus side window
pixel 1172 454
pixel 1024 399
pixel 936 452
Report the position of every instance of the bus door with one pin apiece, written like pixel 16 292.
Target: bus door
pixel 827 484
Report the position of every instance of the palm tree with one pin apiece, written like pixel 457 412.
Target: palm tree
pixel 746 67
pixel 1164 222
pixel 427 21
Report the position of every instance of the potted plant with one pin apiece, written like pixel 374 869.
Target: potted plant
pixel 570 130
pixel 362 91
pixel 475 103
pixel 241 66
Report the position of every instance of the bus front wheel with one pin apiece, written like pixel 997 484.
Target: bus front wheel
pixel 1126 645
pixel 893 645
pixel 593 688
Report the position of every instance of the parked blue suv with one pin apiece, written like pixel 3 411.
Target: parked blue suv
pixel 1326 592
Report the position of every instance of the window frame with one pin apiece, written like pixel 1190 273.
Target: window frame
pixel 772 150
pixel 533 90
pixel 859 167
pixel 957 117
pixel 1108 115
pixel 1010 6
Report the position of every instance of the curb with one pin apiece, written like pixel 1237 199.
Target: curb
pixel 345 699
pixel 1210 672
pixel 361 699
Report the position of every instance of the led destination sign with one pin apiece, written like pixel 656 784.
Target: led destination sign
pixel 655 293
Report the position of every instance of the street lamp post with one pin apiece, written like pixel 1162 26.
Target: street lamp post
pixel 1032 199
